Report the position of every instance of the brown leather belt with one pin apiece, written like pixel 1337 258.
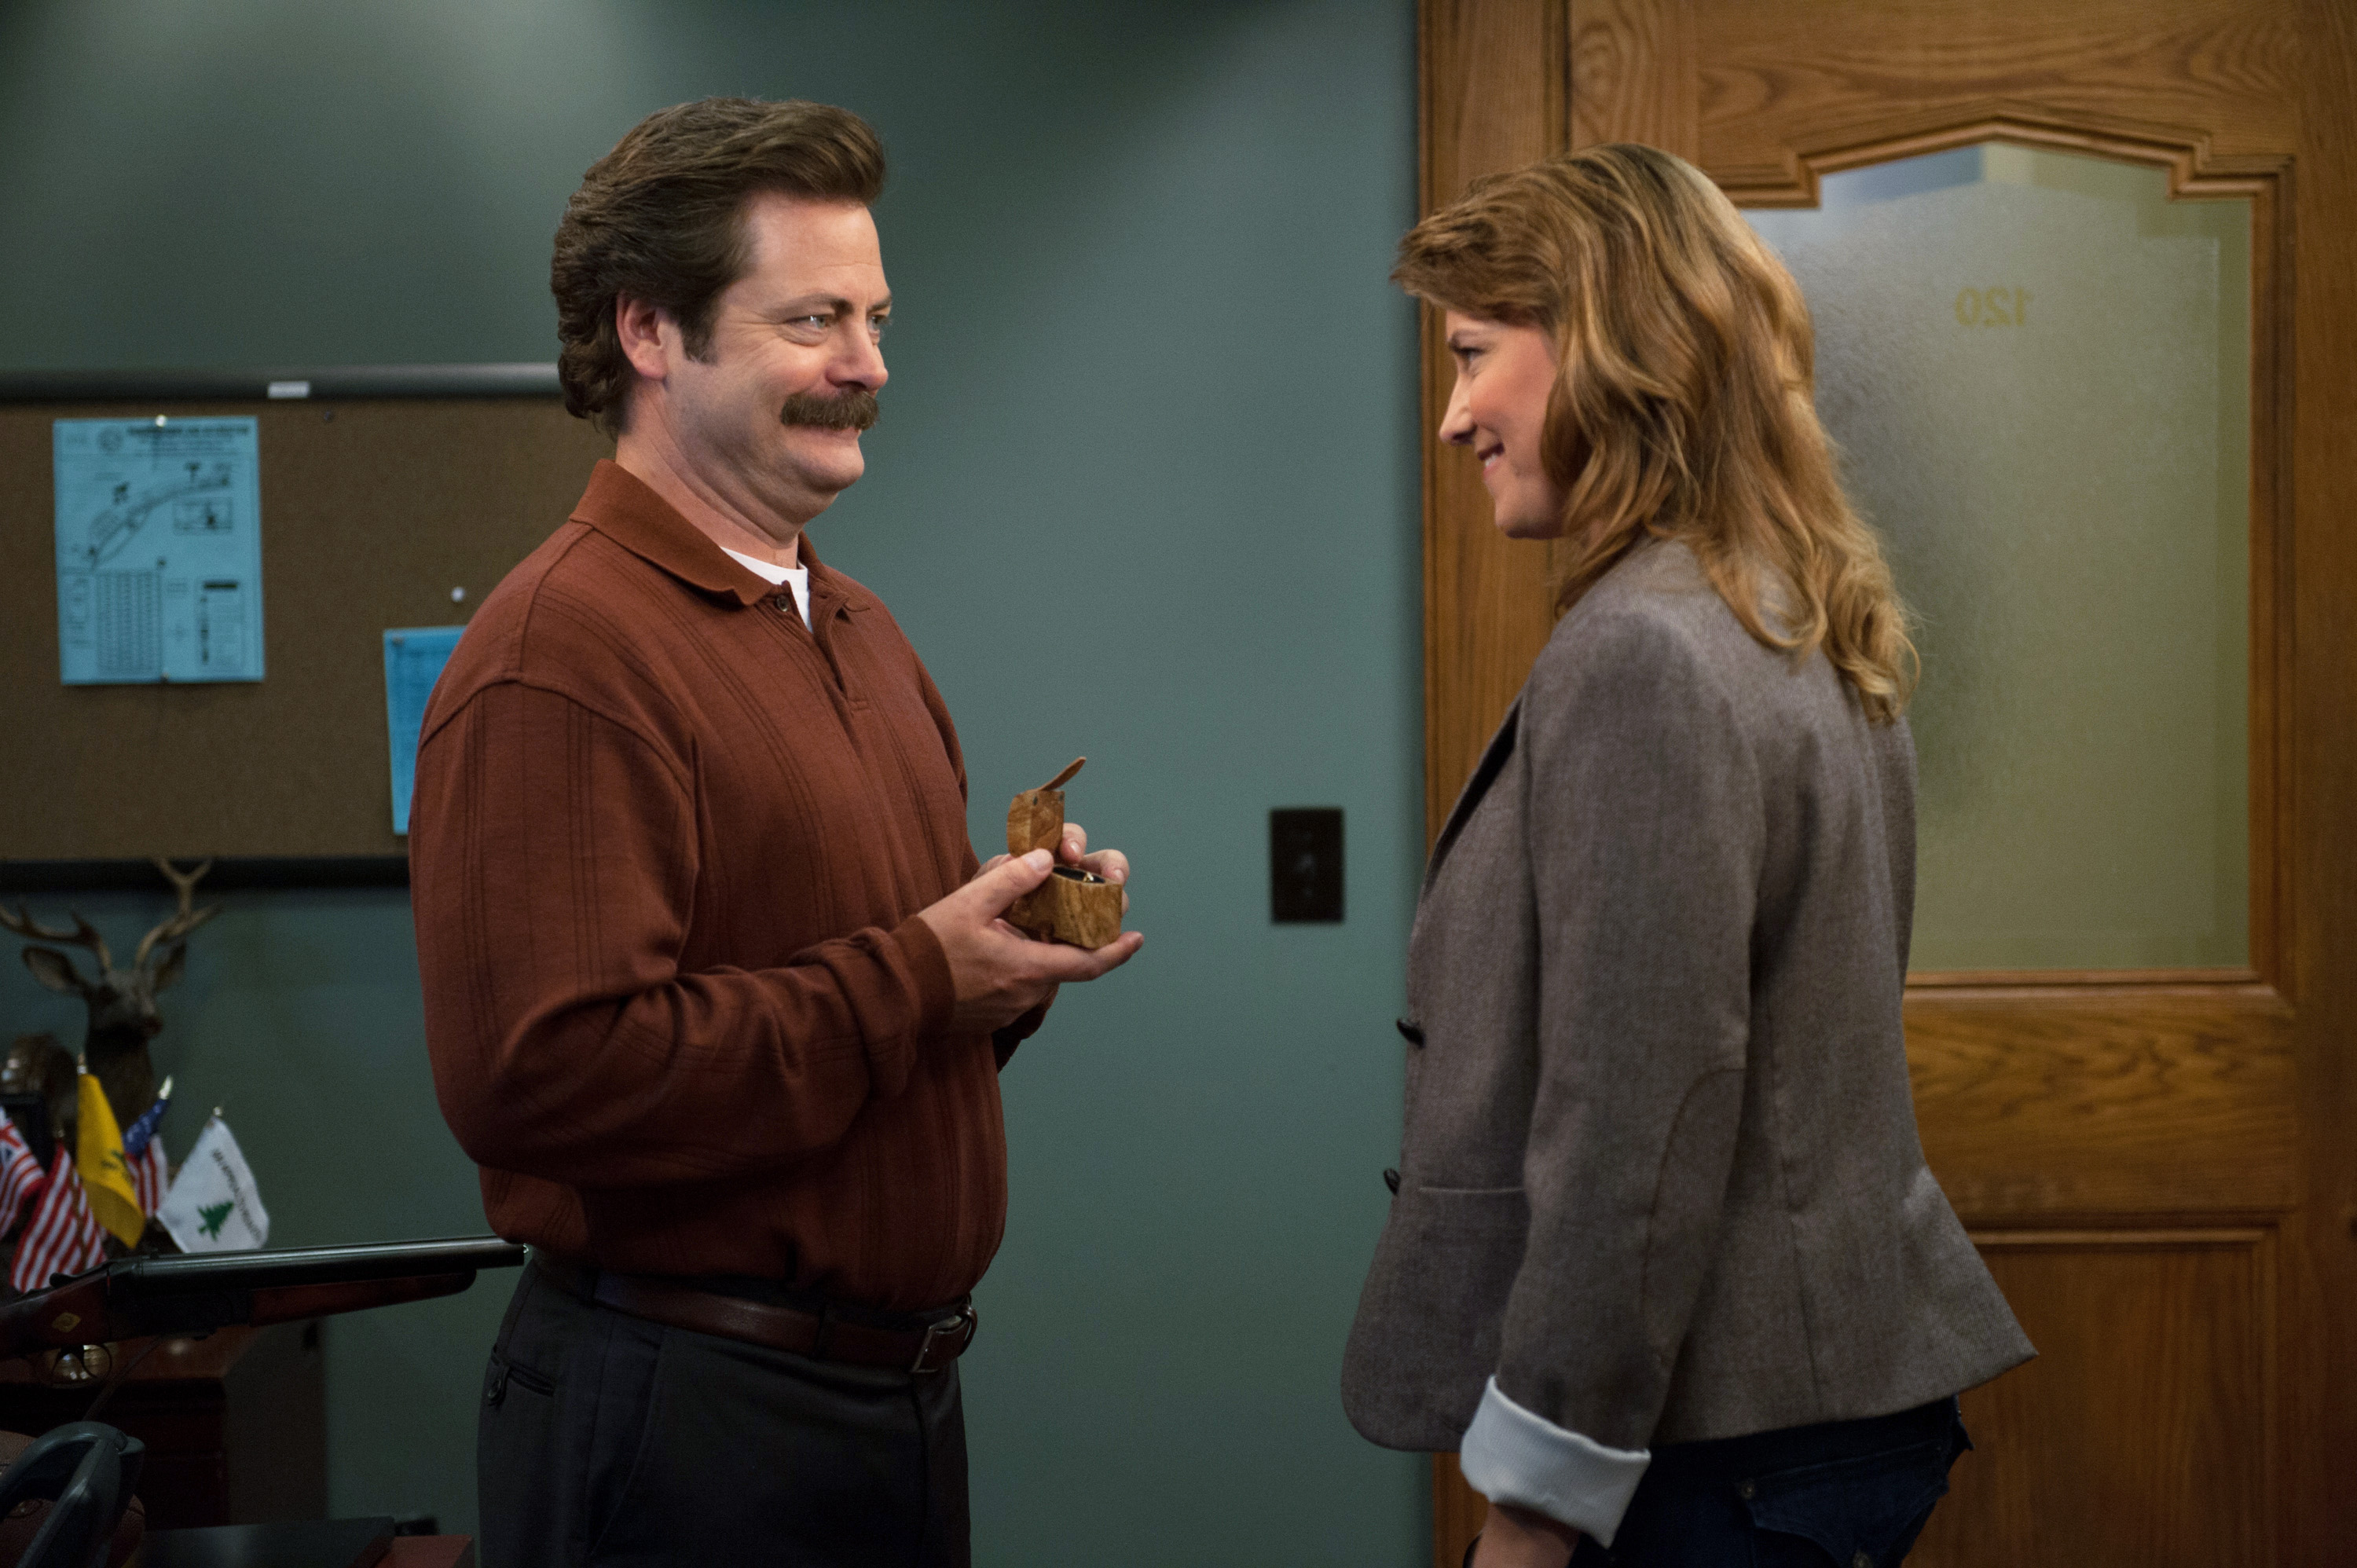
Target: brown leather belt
pixel 821 1335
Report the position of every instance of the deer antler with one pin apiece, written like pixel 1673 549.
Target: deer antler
pixel 82 935
pixel 188 919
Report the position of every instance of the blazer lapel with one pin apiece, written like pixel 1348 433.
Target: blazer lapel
pixel 1501 747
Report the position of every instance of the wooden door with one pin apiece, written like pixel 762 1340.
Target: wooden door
pixel 2160 1166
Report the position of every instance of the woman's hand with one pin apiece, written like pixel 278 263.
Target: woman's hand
pixel 1517 1538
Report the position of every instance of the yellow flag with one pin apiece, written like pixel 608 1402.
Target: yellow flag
pixel 105 1175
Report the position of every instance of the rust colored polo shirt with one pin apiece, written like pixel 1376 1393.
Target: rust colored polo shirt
pixel 667 846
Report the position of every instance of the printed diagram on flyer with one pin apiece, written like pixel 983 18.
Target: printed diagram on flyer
pixel 199 500
pixel 159 549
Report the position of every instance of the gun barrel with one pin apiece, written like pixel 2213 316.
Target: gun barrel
pixel 145 1277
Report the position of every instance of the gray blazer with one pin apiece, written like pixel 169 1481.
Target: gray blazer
pixel 1661 1174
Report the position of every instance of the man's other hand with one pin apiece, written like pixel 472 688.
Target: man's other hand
pixel 999 974
pixel 1073 850
pixel 1109 864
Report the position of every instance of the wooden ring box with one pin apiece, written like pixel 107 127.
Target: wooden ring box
pixel 1075 907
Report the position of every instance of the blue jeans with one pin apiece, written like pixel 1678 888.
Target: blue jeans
pixel 1845 1494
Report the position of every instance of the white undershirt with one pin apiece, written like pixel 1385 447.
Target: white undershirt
pixel 795 577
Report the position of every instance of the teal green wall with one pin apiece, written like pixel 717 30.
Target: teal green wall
pixel 1144 488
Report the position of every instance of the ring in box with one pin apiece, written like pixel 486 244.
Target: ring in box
pixel 1072 905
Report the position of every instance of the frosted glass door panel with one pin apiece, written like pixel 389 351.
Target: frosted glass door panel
pixel 2036 366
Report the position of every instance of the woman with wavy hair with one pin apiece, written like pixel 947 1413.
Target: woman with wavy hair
pixel 1664 1265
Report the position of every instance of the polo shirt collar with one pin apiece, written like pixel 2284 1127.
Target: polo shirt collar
pixel 624 508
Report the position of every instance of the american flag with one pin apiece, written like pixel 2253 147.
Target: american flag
pixel 64 1237
pixel 149 1174
pixel 21 1176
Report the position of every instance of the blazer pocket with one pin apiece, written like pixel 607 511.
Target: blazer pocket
pixel 1467 1245
pixel 1430 1317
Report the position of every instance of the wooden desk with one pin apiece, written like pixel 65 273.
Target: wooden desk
pixel 235 1424
pixel 305 1543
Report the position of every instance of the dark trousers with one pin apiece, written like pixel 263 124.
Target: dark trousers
pixel 1845 1494
pixel 607 1439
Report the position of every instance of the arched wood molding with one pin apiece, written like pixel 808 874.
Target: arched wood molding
pixel 2193 170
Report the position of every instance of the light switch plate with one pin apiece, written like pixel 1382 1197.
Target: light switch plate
pixel 1305 863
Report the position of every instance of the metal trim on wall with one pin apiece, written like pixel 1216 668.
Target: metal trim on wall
pixel 291 383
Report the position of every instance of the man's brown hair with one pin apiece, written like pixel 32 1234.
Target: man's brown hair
pixel 1683 405
pixel 659 219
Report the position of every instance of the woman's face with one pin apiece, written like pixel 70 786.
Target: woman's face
pixel 1499 408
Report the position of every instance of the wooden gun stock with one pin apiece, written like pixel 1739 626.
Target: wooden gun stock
pixel 54 1318
pixel 292 1303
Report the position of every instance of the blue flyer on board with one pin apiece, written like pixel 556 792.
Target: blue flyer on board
pixel 414 657
pixel 159 549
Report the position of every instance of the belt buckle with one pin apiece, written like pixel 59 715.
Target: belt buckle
pixel 961 1328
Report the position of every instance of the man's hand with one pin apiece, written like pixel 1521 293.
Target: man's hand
pixel 1109 864
pixel 999 974
pixel 1073 850
pixel 1517 1538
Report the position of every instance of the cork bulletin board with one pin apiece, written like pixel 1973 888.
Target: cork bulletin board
pixel 374 508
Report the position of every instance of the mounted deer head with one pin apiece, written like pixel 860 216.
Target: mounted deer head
pixel 122 1002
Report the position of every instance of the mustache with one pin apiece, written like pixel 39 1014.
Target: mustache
pixel 852 409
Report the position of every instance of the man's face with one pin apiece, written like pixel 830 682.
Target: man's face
pixel 769 417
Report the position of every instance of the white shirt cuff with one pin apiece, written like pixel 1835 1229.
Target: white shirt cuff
pixel 1511 1455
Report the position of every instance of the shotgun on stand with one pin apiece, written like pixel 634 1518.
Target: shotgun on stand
pixel 134 1297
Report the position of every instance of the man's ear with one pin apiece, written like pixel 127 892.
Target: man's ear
pixel 642 328
pixel 55 970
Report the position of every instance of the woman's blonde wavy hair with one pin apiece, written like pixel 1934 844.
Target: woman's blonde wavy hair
pixel 1682 400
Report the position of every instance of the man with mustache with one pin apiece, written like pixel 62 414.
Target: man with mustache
pixel 716 993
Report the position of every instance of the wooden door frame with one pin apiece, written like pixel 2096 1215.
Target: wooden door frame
pixel 1505 81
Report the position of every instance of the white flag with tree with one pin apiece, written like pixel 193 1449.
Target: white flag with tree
pixel 214 1206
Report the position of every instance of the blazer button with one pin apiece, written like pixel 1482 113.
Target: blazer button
pixel 1409 1031
pixel 785 603
pixel 1390 1180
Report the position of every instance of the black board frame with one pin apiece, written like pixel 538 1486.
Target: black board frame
pixel 231 873
pixel 316 383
